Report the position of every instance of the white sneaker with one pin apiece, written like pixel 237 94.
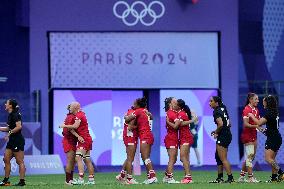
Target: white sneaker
pixel 78 182
pixel 253 180
pixel 90 182
pixel 242 179
pixel 165 179
pixel 120 179
pixel 70 183
pixel 151 180
pixel 131 181
pixel 172 181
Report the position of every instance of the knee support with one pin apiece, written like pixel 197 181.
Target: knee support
pixel 87 156
pixel 80 154
pixel 147 161
pixel 217 158
pixel 249 149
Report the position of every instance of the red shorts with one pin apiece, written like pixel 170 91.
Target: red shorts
pixel 186 140
pixel 171 141
pixel 247 138
pixel 147 138
pixel 130 140
pixel 87 145
pixel 69 144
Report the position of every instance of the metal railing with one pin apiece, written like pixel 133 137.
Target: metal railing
pixel 262 88
pixel 29 105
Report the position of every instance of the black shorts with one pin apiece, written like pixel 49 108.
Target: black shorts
pixel 273 142
pixel 195 138
pixel 16 144
pixel 224 138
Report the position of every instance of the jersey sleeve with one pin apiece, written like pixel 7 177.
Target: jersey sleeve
pixel 18 117
pixel 267 115
pixel 134 113
pixel 258 115
pixel 182 116
pixel 246 111
pixel 170 116
pixel 66 120
pixel 137 113
pixel 174 116
pixel 217 114
pixel 129 112
pixel 79 116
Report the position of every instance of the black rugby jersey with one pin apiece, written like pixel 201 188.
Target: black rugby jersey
pixel 14 117
pixel 272 124
pixel 223 114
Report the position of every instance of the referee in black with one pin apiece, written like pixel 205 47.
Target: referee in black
pixel 16 142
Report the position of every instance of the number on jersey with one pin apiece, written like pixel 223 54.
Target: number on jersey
pixel 226 117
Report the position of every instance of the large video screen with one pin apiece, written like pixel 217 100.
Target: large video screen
pixel 104 110
pixel 198 101
pixel 134 60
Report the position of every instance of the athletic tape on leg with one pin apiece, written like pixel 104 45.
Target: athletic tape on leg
pixel 248 162
pixel 147 161
pixel 249 149
pixel 80 154
pixel 275 165
pixel 87 157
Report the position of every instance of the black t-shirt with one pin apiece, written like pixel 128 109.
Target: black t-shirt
pixel 272 124
pixel 12 119
pixel 223 114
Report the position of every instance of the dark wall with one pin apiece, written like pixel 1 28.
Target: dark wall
pixel 261 39
pixel 14 47
pixel 261 29
pixel 97 15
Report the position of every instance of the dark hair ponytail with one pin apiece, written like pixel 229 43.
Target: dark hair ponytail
pixel 272 103
pixel 167 102
pixel 14 105
pixel 142 102
pixel 249 96
pixel 187 110
pixel 220 102
pixel 68 108
pixel 184 107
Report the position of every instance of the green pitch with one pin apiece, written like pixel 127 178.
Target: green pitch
pixel 107 180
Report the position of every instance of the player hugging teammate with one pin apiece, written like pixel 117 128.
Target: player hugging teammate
pixel 178 135
pixel 84 145
pixel 77 141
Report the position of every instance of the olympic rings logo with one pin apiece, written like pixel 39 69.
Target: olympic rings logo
pixel 138 11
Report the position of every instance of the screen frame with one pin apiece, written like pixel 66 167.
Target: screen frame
pixel 145 93
pixel 134 31
pixel 145 90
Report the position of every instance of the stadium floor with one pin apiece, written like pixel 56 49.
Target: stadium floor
pixel 107 180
